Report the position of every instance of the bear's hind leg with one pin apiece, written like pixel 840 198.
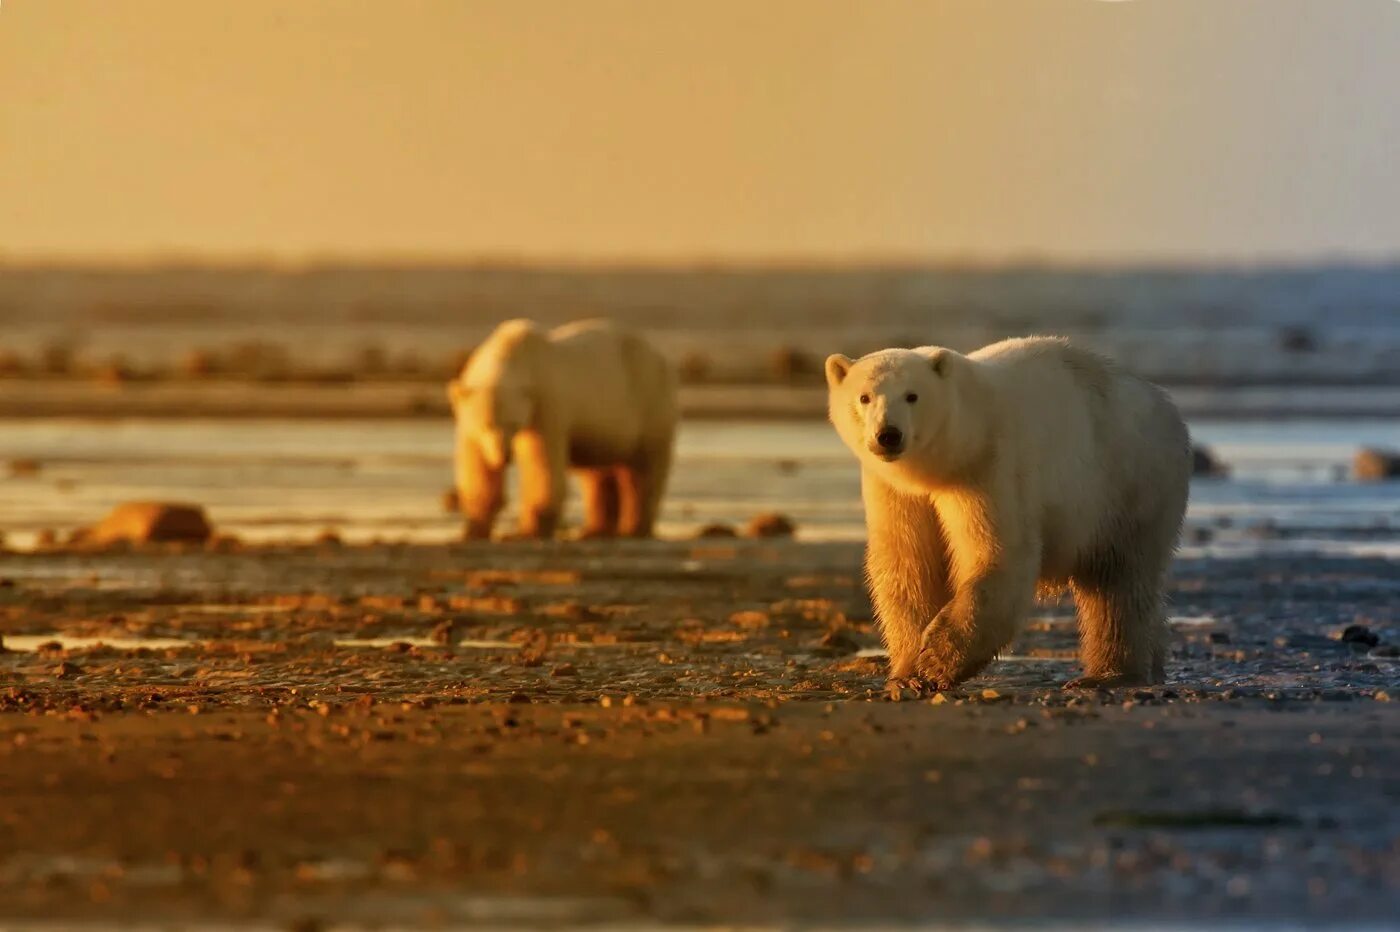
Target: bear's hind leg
pixel 641 487
pixel 600 502
pixel 1122 629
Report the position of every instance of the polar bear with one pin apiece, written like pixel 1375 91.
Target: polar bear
pixel 1025 466
pixel 587 395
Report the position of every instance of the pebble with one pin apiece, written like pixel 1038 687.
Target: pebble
pixel 770 524
pixel 1360 634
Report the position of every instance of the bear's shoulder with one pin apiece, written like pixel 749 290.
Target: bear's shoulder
pixel 1048 351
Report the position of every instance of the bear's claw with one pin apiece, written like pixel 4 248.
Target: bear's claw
pixel 910 687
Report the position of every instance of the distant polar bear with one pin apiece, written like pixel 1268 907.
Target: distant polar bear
pixel 1029 463
pixel 587 395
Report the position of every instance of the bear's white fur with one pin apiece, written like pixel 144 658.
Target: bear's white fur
pixel 1029 464
pixel 587 395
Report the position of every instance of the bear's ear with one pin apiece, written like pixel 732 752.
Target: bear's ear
pixel 836 368
pixel 938 359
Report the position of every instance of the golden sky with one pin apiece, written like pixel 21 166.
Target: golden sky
pixel 723 129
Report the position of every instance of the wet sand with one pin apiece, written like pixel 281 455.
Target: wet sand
pixel 671 731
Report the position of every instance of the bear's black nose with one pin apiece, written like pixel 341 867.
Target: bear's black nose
pixel 889 438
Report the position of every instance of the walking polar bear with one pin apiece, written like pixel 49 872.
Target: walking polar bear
pixel 589 396
pixel 1029 464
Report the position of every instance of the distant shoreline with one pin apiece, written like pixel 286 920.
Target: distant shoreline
pixel 215 399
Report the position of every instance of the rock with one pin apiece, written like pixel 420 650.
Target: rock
pixel 1204 463
pixel 197 364
pixel 329 537
pixel 564 669
pixel 223 543
pixel 788 364
pixel 1384 652
pixel 451 502
pixel 716 530
pixel 1360 635
pixel 770 524
pixel 694 366
pixel 445 633
pixel 150 522
pixel 1297 339
pixel 24 468
pixel 1375 465
pixel 838 642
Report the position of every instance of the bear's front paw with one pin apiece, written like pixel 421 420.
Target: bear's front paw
pixel 909 687
pixel 936 663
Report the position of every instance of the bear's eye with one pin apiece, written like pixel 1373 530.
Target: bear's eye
pixel 911 397
pixel 865 399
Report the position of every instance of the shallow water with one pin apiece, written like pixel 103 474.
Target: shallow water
pixel 269 480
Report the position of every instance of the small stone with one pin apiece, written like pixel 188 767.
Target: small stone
pixel 1204 463
pixel 1360 634
pixel 1375 465
pixel 770 524
pixel 149 522
pixel 564 669
pixel 838 642
pixel 1381 696
pixel 715 531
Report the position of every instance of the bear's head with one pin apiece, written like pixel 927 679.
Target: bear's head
pixel 896 409
pixel 490 416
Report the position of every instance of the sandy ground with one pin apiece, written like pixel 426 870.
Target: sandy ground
pixel 671 732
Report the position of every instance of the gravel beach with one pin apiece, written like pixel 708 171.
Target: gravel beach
pixel 672 732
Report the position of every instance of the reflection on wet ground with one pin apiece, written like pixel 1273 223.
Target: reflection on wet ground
pixel 269 481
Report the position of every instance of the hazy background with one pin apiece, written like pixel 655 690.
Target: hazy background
pixel 1212 130
pixel 243 244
